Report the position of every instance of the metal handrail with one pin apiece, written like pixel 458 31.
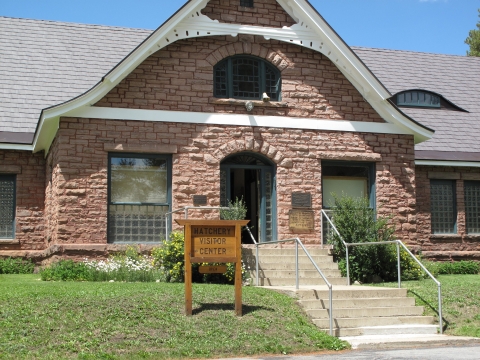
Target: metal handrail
pixel 185 210
pixel 398 244
pixel 297 242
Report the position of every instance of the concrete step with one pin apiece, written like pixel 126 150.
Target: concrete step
pixel 373 321
pixel 357 303
pixel 291 265
pixel 365 312
pixel 350 292
pixel 286 251
pixel 302 259
pixel 388 330
pixel 291 273
pixel 303 281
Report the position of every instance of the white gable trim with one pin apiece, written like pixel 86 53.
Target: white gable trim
pixel 236 120
pixel 311 31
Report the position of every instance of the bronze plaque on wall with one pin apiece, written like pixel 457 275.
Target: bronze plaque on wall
pixel 301 220
pixel 301 200
pixel 199 200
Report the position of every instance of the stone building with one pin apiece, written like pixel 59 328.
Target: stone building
pixel 104 130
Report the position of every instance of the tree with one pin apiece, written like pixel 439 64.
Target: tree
pixel 473 40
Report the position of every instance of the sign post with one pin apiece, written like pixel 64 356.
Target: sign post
pixel 208 241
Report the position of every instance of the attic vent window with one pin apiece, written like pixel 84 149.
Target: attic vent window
pixel 246 77
pixel 246 3
pixel 418 98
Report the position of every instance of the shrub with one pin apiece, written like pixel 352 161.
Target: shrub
pixel 357 223
pixel 170 258
pixel 16 266
pixel 458 268
pixel 65 270
pixel 237 210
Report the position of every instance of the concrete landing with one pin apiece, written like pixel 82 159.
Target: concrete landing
pixel 405 341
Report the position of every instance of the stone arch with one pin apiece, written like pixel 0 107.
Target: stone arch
pixel 250 144
pixel 245 47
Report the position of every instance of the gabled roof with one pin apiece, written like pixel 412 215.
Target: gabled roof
pixel 457 78
pixel 45 63
pixel 311 31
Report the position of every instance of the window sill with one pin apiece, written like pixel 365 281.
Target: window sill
pixel 9 242
pixel 256 103
pixel 446 237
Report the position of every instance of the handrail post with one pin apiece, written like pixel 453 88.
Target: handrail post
pixel 296 262
pixel 256 264
pixel 348 266
pixel 440 314
pixel 330 301
pixel 186 212
pixel 398 266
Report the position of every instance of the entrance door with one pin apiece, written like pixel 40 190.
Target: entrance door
pixel 251 177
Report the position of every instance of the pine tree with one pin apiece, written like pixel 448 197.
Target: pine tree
pixel 473 40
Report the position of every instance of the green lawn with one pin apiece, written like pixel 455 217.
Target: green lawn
pixel 461 301
pixel 52 320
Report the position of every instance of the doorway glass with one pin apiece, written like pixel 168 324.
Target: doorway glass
pixel 251 177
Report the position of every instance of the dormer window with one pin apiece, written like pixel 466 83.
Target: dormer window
pixel 246 77
pixel 246 3
pixel 418 98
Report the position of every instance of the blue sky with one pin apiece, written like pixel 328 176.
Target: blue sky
pixel 438 26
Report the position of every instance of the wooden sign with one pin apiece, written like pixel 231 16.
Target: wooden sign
pixel 302 220
pixel 213 269
pixel 213 241
pixel 213 244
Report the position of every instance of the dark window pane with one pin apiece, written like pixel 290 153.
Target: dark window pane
pixel 246 3
pixel 7 206
pixel 246 78
pixel 221 80
pixel 442 203
pixel 418 98
pixel 472 206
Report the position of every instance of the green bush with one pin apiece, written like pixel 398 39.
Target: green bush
pixel 65 270
pixel 237 210
pixel 458 268
pixel 170 258
pixel 357 223
pixel 16 266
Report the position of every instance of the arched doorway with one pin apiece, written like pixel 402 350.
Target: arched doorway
pixel 251 176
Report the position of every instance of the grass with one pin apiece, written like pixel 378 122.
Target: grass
pixel 460 304
pixel 85 320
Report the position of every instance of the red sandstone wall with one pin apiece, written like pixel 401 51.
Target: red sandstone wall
pixel 180 77
pixel 264 13
pixel 30 191
pixel 448 246
pixel 82 168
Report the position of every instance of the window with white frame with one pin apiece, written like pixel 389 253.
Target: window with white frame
pixel 443 206
pixel 472 206
pixel 7 206
pixel 139 196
